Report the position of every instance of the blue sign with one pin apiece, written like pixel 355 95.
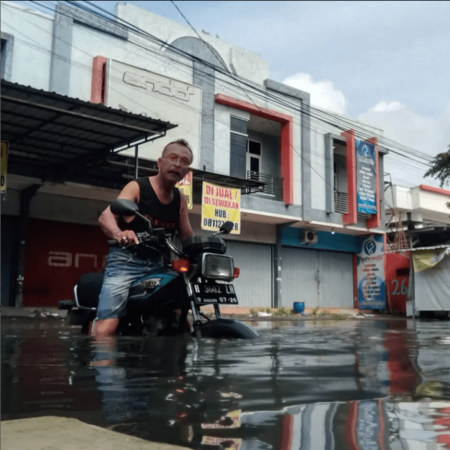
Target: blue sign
pixel 370 270
pixel 366 178
pixel 368 425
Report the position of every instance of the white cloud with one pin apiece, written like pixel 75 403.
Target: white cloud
pixel 429 135
pixel 323 93
pixel 387 106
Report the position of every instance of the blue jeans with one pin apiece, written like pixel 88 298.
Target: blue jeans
pixel 122 270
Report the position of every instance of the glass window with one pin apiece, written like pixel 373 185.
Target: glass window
pixel 238 125
pixel 3 56
pixel 254 148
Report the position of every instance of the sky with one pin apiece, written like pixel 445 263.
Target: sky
pixel 383 63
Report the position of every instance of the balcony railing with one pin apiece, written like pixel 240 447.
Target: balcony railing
pixel 273 186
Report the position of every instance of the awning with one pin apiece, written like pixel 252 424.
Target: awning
pixel 125 166
pixel 60 139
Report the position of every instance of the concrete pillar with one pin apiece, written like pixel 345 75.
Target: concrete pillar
pixel 25 198
pixel 61 50
pixel 277 270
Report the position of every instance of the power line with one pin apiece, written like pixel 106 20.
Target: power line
pixel 343 124
pixel 351 124
pixel 264 92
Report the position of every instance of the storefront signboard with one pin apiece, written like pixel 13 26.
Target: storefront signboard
pixel 425 259
pixel 366 177
pixel 220 204
pixel 185 186
pixel 140 91
pixel 370 270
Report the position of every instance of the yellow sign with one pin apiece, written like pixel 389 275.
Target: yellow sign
pixel 427 258
pixel 224 442
pixel 235 421
pixel 4 164
pixel 185 186
pixel 220 204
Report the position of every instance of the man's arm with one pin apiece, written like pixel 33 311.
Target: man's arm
pixel 108 221
pixel 184 226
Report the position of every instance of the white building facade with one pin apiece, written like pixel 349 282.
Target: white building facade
pixel 298 236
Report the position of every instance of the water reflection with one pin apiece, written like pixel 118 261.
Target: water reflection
pixel 325 385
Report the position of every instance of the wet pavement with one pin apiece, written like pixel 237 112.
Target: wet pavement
pixel 352 384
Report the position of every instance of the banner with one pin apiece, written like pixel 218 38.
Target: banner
pixel 369 424
pixel 220 204
pixel 424 259
pixel 185 186
pixel 4 163
pixel 366 177
pixel 370 270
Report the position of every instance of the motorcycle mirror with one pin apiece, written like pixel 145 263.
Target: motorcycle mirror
pixel 124 207
pixel 226 227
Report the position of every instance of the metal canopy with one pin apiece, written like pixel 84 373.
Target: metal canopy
pixel 54 137
pixel 61 139
pixel 124 167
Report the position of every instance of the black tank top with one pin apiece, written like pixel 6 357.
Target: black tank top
pixel 159 214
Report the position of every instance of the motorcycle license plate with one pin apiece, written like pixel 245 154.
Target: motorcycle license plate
pixel 210 294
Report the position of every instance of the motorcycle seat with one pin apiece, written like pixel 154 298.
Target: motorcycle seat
pixel 88 289
pixel 194 245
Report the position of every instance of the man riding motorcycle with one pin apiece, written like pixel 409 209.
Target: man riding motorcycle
pixel 166 207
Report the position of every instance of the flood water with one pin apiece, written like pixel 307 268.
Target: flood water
pixel 354 384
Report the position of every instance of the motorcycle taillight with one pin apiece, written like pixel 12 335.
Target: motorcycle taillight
pixel 180 265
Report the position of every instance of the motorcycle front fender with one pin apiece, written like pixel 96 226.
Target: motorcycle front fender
pixel 227 328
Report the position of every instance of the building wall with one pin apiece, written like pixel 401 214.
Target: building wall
pixel 246 63
pixel 65 50
pixel 397 269
pixel 421 203
pixel 86 42
pixel 32 32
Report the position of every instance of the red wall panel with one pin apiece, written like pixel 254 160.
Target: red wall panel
pixel 56 255
pixel 397 281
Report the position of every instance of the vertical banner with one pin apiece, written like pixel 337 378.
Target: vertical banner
pixel 4 165
pixel 370 270
pixel 185 186
pixel 220 204
pixel 366 177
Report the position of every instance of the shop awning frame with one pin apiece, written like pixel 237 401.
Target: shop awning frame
pixel 54 137
pixel 60 139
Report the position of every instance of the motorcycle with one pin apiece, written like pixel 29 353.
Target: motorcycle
pixel 200 275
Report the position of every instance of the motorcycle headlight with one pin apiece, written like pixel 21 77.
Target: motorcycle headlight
pixel 219 267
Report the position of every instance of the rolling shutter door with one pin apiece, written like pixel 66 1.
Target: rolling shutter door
pixel 254 285
pixel 337 280
pixel 298 274
pixel 317 277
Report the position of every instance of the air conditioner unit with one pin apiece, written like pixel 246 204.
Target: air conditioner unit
pixel 308 237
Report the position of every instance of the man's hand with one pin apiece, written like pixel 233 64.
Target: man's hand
pixel 125 238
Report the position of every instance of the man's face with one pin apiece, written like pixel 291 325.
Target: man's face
pixel 174 163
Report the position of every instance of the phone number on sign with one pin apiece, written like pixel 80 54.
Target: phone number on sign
pixel 218 223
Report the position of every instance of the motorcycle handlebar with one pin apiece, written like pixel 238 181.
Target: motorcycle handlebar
pixel 113 243
pixel 143 237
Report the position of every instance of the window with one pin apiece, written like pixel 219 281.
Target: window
pixel 7 53
pixel 238 147
pixel 3 57
pixel 340 177
pixel 253 156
